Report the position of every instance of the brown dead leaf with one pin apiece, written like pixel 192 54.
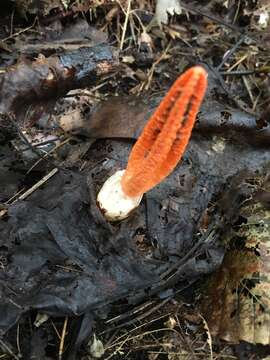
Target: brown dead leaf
pixel 56 37
pixel 237 301
pixel 42 7
pixel 118 117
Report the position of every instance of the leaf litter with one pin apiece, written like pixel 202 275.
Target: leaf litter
pixel 60 258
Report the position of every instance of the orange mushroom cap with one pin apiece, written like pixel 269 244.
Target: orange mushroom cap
pixel 166 135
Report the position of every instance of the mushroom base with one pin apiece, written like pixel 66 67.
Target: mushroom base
pixel 113 202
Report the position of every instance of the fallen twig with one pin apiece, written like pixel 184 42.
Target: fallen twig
pixel 63 335
pixel 31 190
pixel 52 77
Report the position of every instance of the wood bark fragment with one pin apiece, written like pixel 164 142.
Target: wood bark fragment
pixel 49 78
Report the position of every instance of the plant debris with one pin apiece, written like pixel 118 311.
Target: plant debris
pixel 238 294
pixel 185 276
pixel 47 78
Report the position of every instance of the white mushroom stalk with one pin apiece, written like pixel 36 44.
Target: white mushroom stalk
pixel 112 200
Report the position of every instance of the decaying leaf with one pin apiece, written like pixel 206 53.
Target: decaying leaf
pixel 42 7
pixel 124 117
pixel 237 300
pixel 58 38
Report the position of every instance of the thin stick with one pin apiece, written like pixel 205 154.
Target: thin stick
pixel 29 145
pixel 211 17
pixel 47 154
pixel 125 25
pixel 146 84
pixel 56 331
pixel 11 200
pixel 11 23
pixel 209 341
pixel 18 340
pixel 38 184
pixel 262 70
pixel 7 348
pixel 130 338
pixel 238 62
pixel 231 52
pixel 32 189
pixel 41 144
pixel 61 347
pixel 237 73
pixel 247 85
pixel 20 32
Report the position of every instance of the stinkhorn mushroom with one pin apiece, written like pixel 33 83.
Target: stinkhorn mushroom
pixel 158 149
